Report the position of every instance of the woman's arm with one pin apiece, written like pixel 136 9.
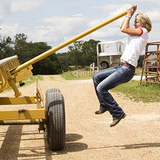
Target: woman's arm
pixel 125 28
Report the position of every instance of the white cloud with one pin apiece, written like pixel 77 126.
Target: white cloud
pixel 12 29
pixel 153 15
pixel 5 7
pixel 8 6
pixel 153 1
pixel 110 9
pixel 1 19
pixel 46 34
pixel 56 29
pixel 19 5
pixel 68 26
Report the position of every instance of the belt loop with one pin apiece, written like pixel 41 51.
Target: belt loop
pixel 127 65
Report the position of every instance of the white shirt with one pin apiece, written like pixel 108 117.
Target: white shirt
pixel 134 47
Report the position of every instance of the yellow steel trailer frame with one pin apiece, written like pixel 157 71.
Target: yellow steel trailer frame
pixel 23 114
pixel 11 72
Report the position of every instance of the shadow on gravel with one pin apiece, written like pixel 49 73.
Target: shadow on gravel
pixel 11 150
pixel 71 145
pixel 10 146
pixel 132 146
pixel 140 145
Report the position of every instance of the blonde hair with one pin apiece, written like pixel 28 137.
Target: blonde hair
pixel 144 19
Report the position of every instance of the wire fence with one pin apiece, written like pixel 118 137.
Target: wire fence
pixel 87 72
pixel 82 73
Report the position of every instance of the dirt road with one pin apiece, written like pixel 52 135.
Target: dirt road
pixel 88 136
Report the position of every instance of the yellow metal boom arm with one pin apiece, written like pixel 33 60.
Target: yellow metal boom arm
pixel 53 50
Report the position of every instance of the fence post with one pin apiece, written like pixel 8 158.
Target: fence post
pixel 93 68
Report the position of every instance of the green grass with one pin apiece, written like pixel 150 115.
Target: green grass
pixel 32 79
pixel 138 71
pixel 51 77
pixel 144 92
pixel 69 76
pixel 28 81
pixel 133 90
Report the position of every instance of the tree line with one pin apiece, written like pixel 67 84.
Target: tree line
pixel 80 54
pixel 28 50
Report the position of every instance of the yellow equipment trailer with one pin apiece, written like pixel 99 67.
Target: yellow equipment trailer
pixel 52 115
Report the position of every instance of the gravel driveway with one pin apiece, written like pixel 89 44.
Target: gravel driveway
pixel 88 136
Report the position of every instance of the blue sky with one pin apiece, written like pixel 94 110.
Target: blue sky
pixel 55 22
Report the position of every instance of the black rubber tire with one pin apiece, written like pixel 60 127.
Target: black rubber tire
pixel 49 91
pixel 55 120
pixel 104 65
pixel 52 90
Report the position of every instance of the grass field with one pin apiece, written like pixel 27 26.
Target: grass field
pixel 29 81
pixel 144 92
pixel 133 90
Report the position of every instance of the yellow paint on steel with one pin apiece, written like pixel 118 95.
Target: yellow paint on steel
pixel 51 51
pixel 22 114
pixel 16 101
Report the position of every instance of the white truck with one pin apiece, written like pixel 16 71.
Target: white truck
pixel 108 54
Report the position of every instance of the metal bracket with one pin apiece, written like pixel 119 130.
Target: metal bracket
pixel 41 125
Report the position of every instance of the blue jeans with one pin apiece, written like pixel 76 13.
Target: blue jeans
pixel 108 79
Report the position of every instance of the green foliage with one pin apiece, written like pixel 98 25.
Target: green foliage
pixel 28 50
pixel 5 48
pixel 144 92
pixel 89 52
pixel 28 81
pixel 138 71
pixel 69 76
pixel 82 54
pixel 64 60
pixel 74 53
pixel 86 68
pixel 32 79
pixel 140 61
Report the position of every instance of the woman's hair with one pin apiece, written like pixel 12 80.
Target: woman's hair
pixel 144 19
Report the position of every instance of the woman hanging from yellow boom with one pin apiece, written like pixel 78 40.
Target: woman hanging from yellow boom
pixel 124 72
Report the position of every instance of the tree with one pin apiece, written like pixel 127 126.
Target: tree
pixel 83 53
pixel 47 66
pixel 74 53
pixel 64 60
pixel 140 61
pixel 5 47
pixel 27 51
pixel 89 52
pixel 21 47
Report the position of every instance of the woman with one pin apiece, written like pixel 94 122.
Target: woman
pixel 124 72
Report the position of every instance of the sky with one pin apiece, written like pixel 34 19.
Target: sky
pixel 55 22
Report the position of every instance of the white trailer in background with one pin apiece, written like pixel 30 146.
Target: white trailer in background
pixel 108 54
